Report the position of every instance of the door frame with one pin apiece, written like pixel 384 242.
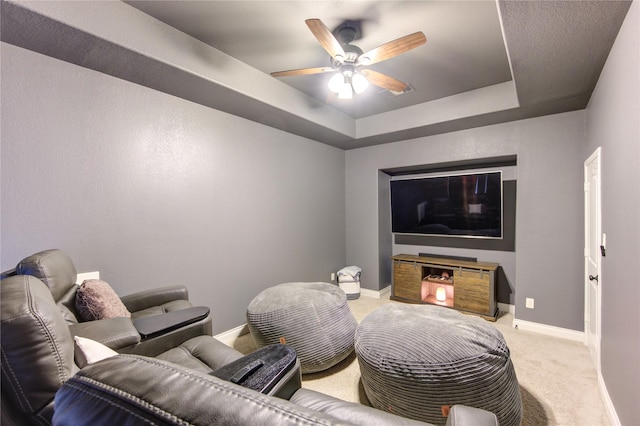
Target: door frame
pixel 593 342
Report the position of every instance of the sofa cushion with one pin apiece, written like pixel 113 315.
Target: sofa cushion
pixel 95 300
pixel 202 353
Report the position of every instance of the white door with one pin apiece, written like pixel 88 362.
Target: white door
pixel 592 255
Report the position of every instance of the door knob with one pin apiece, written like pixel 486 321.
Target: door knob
pixel 592 278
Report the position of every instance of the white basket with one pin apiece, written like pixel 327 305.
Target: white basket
pixel 350 287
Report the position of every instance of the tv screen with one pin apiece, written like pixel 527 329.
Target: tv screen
pixel 464 205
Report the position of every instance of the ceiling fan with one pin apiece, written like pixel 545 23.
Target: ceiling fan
pixel 347 60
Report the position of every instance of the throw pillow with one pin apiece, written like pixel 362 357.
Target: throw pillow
pixel 95 299
pixel 89 351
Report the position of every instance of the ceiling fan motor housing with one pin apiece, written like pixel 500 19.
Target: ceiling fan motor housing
pixel 346 33
pixel 352 53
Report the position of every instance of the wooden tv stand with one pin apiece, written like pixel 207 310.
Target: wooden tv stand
pixel 459 284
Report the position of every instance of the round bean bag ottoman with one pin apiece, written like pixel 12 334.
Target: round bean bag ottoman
pixel 418 360
pixel 314 318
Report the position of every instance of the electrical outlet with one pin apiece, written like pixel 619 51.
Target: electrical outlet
pixel 529 302
pixel 333 276
pixel 95 275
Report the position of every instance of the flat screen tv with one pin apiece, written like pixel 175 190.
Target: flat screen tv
pixel 461 205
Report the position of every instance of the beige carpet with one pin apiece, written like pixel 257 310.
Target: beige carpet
pixel 558 382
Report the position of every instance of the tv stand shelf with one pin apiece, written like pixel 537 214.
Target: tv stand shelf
pixel 458 284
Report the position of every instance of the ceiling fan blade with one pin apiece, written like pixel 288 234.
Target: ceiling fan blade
pixel 384 81
pixel 393 48
pixel 302 71
pixel 326 39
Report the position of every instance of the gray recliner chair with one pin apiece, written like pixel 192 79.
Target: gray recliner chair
pixel 39 354
pixel 160 318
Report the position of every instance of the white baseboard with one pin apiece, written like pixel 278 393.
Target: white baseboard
pixel 578 336
pixel 230 336
pixel 375 294
pixel 549 330
pixel 608 404
pixel 95 275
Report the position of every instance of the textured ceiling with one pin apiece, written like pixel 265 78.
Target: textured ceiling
pixel 484 62
pixel 465 49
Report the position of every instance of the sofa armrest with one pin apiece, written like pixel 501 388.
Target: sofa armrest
pixel 348 412
pixel 272 370
pixel 156 325
pixel 154 297
pixel 116 333
pixel 359 414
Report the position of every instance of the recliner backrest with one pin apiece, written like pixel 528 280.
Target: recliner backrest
pixel 109 393
pixel 36 345
pixel 56 270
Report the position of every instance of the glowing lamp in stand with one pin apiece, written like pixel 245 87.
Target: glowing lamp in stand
pixel 441 294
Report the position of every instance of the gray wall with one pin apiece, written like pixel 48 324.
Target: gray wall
pixel 613 123
pixel 144 186
pixel 153 190
pixel 547 264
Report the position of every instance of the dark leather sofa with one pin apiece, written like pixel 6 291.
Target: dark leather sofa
pixel 43 383
pixel 39 353
pixel 127 390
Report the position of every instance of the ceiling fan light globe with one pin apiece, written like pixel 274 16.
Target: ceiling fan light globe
pixel 336 82
pixel 359 82
pixel 346 91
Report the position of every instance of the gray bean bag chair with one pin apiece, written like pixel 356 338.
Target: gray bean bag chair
pixel 418 360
